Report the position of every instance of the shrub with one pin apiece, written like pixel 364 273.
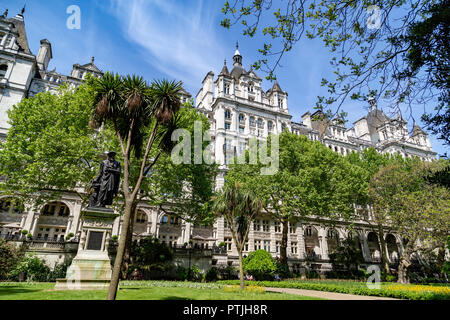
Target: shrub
pixel 194 274
pixel 24 232
pixel 115 238
pixel 34 268
pixel 10 256
pixel 211 275
pixel 260 264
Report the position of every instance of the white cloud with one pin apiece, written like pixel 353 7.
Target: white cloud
pixel 178 38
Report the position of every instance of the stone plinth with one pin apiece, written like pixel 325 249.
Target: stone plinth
pixel 91 268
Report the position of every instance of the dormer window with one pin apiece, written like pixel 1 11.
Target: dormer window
pixel 280 103
pixel 3 69
pixel 226 88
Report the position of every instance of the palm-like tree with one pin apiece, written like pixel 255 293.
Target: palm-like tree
pixel 239 207
pixel 138 112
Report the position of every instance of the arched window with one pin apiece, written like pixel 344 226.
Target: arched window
pixel 3 69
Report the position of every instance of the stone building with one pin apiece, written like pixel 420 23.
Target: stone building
pixel 238 109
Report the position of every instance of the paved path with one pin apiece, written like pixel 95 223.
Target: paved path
pixel 326 295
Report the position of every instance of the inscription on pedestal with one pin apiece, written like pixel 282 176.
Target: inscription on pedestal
pixel 95 240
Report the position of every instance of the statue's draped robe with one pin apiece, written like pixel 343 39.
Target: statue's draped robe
pixel 108 179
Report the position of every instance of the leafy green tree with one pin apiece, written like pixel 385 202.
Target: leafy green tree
pixel 260 264
pixel 34 268
pixel 55 140
pixel 371 162
pixel 395 50
pixel 311 181
pixel 10 256
pixel 347 256
pixel 418 211
pixel 149 254
pixel 239 207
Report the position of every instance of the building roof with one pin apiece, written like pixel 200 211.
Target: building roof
pixel 224 71
pixel 417 130
pixel 19 28
pixel 237 72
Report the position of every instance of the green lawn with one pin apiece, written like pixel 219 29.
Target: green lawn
pixel 142 290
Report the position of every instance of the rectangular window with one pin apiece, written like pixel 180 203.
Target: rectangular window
pixel 257 225
pixel 246 246
pixel 241 129
pixel 277 227
pixel 227 126
pixel 228 241
pixel 292 228
pixel 267 245
pixel 265 225
pixel 257 244
pixel 294 247
pixel 277 246
pixel 226 88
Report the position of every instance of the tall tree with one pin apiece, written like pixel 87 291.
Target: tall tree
pixel 418 211
pixel 311 181
pixel 371 162
pixel 394 50
pixel 239 207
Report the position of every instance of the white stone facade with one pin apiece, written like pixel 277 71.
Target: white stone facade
pixel 238 109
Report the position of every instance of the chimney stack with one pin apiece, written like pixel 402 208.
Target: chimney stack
pixel 44 55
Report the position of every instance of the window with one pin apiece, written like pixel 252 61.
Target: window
pixel 164 220
pixel 277 227
pixel 225 224
pixel 280 103
pixel 226 88
pixel 3 69
pixel 283 126
pixel 241 129
pixel 241 118
pixel 265 225
pixel 257 225
pixel 267 245
pixel 250 88
pixel 246 246
pixel 227 126
pixel 252 122
pixel 270 126
pixel 257 244
pixel 308 232
pixel 294 247
pixel 292 228
pixel 227 114
pixel 174 220
pixel 277 246
pixel 141 217
pixel 260 123
pixel 228 241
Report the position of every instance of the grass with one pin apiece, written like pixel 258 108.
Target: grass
pixel 144 290
pixel 393 290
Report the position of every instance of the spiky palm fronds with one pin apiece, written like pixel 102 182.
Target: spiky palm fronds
pixel 108 96
pixel 166 99
pixel 136 94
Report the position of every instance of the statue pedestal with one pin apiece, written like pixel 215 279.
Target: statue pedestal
pixel 91 268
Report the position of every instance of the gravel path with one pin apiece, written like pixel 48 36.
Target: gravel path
pixel 326 295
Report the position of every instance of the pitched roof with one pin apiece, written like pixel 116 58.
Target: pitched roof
pixel 19 28
pixel 225 71
pixel 417 130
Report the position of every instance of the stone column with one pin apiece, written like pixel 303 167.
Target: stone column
pixel 272 238
pixel 34 224
pixel 365 247
pixel 76 218
pixel 324 243
pixel 301 243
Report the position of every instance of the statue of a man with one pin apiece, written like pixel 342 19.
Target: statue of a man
pixel 106 185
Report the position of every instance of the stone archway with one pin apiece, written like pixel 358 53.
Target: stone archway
pixel 53 221
pixel 312 243
pixel 374 246
pixel 332 240
pixel 12 215
pixel 142 223
pixel 392 248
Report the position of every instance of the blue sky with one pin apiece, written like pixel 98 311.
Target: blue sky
pixel 174 39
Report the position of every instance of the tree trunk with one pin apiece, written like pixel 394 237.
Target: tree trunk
pixel 241 270
pixel 384 254
pixel 112 292
pixel 441 258
pixel 127 254
pixel 405 262
pixel 284 240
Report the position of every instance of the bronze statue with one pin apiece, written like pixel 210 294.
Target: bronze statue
pixel 106 185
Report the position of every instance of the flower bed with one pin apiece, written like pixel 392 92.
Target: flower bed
pixel 392 290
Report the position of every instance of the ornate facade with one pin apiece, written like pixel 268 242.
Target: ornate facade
pixel 239 109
